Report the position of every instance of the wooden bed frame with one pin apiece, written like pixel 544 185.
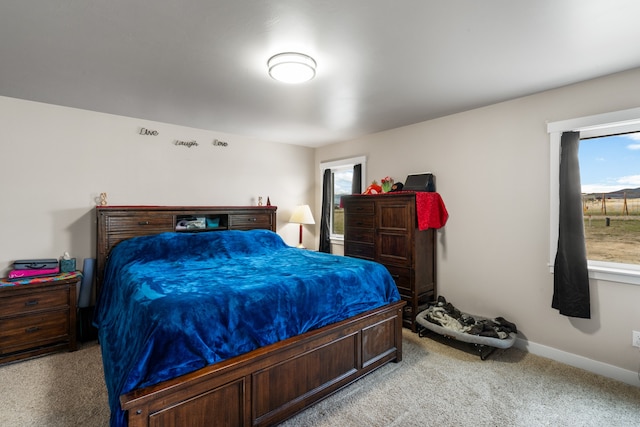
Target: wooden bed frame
pixel 267 385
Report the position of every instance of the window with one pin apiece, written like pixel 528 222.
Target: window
pixel 341 180
pixel 615 123
pixel 610 175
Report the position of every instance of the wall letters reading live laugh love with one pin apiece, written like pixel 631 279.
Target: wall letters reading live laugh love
pixel 181 143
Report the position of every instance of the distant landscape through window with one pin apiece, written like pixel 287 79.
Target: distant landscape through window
pixel 610 178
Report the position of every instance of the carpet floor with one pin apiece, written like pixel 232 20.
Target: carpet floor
pixel 438 383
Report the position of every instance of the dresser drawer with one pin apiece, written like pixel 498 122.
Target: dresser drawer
pixel 361 221
pixel 359 207
pixel 362 235
pixel 249 221
pixel 33 302
pixel 24 332
pixel 402 277
pixel 359 250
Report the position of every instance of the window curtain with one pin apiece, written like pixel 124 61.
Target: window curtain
pixel 571 276
pixel 356 182
pixel 325 217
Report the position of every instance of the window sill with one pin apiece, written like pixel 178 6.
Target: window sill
pixel 337 240
pixel 614 272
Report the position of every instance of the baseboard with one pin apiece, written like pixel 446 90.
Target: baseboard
pixel 604 369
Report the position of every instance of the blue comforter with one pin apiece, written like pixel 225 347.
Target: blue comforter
pixel 176 302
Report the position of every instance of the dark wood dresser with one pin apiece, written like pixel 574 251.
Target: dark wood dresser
pixel 116 223
pixel 383 228
pixel 37 319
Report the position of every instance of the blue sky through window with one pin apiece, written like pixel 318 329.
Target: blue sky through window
pixel 610 163
pixel 342 184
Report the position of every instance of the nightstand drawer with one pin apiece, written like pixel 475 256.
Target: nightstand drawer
pixel 38 318
pixel 33 302
pixel 23 332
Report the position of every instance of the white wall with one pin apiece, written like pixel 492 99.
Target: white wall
pixel 57 160
pixel 492 170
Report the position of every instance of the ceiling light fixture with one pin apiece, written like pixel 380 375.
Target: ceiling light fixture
pixel 292 67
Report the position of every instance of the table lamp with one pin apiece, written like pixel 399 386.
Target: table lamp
pixel 302 215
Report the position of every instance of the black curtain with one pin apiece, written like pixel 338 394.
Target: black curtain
pixel 356 183
pixel 325 217
pixel 571 276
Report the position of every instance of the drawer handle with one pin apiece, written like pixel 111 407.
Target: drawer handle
pixel 32 329
pixel 143 222
pixel 395 276
pixel 252 219
pixel 31 303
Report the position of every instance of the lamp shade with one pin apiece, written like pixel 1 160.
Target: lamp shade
pixel 302 215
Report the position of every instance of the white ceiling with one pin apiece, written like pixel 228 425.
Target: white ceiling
pixel 381 63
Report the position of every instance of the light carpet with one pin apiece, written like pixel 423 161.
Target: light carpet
pixel 438 383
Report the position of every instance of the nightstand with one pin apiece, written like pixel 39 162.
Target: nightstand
pixel 38 316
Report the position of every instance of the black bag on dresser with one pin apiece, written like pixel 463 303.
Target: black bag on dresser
pixel 35 264
pixel 420 182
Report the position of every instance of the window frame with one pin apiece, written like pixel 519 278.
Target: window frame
pixel 623 121
pixel 338 165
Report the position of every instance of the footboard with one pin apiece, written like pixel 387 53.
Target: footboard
pixel 270 384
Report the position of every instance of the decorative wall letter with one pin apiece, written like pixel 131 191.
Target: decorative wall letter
pixel 187 144
pixel 145 131
pixel 218 143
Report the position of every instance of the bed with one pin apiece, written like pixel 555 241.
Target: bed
pixel 237 328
